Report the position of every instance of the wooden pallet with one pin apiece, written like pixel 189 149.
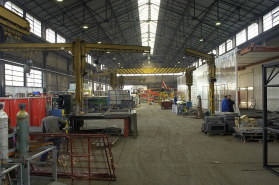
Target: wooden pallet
pixel 216 134
pixel 112 141
pixel 258 140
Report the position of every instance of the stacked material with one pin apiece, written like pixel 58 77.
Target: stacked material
pixel 229 120
pixel 213 124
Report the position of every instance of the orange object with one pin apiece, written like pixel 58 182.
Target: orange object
pixel 126 127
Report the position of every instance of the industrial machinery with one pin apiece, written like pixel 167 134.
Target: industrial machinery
pixel 211 74
pixel 13 24
pixel 78 49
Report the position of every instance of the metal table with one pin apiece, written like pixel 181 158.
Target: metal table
pixel 129 116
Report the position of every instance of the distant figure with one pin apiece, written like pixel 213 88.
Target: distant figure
pixel 175 99
pixel 230 103
pixel 225 104
pixel 52 124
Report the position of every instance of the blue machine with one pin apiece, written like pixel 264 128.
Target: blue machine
pixel 58 113
pixel 188 105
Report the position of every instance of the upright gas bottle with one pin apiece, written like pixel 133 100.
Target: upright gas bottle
pixel 22 129
pixel 4 145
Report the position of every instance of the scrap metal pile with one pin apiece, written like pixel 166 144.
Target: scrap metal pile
pixel 220 123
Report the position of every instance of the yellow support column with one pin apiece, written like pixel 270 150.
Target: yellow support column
pixel 79 68
pixel 212 79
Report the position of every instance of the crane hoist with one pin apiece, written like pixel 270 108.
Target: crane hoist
pixel 211 74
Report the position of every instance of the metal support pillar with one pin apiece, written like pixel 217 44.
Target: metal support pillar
pixel 212 79
pixel 264 99
pixel 189 80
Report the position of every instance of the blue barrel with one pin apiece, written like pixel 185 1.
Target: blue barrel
pixel 22 129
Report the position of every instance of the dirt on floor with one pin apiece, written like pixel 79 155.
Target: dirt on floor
pixel 171 149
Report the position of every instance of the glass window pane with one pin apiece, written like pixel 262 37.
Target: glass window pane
pixel 241 37
pixel 34 79
pixel 50 35
pixel 13 75
pixel 253 30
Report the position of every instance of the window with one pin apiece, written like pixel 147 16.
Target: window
pixel 222 48
pixel 253 30
pixel 34 79
pixel 50 35
pixel 35 25
pixel 14 75
pixel 229 44
pixel 60 39
pixel 271 19
pixel 9 5
pixel 148 25
pixel 89 59
pixel 241 37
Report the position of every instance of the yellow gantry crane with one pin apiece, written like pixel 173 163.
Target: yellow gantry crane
pixel 211 74
pixel 114 79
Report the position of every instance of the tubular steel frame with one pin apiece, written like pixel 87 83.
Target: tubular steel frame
pixel 265 82
pixel 90 157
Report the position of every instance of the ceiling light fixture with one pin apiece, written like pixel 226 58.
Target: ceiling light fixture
pixel 108 52
pixel 99 42
pixel 218 23
pixel 59 0
pixel 122 67
pixel 184 57
pixel 85 27
pixel 178 62
pixel 201 39
pixel 114 58
pixel 118 63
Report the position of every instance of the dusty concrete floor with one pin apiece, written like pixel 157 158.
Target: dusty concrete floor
pixel 171 149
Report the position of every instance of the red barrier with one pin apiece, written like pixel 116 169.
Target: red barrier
pixel 37 110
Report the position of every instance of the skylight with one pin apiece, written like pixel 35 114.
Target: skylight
pixel 148 15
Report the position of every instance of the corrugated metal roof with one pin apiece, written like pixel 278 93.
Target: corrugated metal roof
pixel 181 23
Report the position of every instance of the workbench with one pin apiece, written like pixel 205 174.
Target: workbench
pixel 129 116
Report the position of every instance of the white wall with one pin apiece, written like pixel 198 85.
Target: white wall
pixel 14 90
pixel 200 86
pixel 272 93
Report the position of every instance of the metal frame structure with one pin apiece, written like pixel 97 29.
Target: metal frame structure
pixel 265 85
pixel 79 49
pixel 179 25
pixel 211 73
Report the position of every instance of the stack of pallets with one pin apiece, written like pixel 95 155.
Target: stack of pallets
pixel 252 134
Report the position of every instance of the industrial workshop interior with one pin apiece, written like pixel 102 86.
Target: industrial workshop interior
pixel 139 92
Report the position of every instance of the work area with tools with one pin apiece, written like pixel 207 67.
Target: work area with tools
pixel 139 92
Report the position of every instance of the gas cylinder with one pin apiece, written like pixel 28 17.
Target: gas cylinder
pixel 4 145
pixel 22 129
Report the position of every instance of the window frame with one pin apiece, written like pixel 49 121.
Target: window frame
pixel 249 30
pixel 47 35
pixel 240 34
pixel 60 38
pixel 33 23
pixel 32 72
pixel 12 75
pixel 14 8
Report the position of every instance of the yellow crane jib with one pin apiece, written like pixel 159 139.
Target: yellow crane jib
pixel 79 49
pixel 211 70
pixel 13 23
